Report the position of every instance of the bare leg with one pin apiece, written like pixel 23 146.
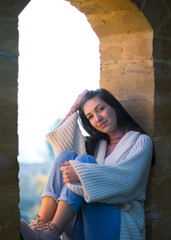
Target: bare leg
pixel 47 209
pixel 63 216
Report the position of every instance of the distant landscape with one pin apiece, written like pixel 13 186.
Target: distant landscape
pixel 32 181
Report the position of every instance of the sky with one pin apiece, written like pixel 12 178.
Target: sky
pixel 58 59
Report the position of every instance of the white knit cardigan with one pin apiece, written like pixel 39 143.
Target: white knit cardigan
pixel 119 179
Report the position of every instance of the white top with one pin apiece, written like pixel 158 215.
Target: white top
pixel 119 179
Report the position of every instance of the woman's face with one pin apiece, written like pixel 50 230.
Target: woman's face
pixel 101 115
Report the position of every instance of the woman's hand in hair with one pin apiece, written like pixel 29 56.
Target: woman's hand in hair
pixel 78 101
pixel 76 105
pixel 69 174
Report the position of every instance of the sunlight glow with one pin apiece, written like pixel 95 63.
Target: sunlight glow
pixel 59 58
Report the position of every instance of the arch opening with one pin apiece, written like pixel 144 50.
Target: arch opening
pixel 59 58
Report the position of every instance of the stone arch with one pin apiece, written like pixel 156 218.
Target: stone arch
pixel 154 100
pixel 126 54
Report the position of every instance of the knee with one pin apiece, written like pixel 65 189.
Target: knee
pixel 67 155
pixel 85 158
pixel 64 156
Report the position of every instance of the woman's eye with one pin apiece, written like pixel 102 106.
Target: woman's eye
pixel 101 109
pixel 90 117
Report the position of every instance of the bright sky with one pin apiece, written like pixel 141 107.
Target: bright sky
pixel 59 58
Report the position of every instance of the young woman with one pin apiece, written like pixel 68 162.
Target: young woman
pixel 97 186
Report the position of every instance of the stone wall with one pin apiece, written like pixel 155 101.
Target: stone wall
pixel 9 190
pixel 158 213
pixel 135 42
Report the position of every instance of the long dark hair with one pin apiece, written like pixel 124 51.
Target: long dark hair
pixel 124 121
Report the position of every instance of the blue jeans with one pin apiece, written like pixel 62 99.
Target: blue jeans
pixel 92 221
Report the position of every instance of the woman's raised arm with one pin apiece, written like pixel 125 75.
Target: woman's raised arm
pixel 76 104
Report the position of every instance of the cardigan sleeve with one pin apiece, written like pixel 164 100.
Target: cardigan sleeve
pixel 122 182
pixel 67 136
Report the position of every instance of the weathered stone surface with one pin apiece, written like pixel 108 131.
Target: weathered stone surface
pixel 8 37
pixel 11 9
pixel 9 198
pixel 162 165
pixel 162 115
pixel 162 45
pixel 142 112
pixel 160 191
pixel 162 71
pixel 155 11
pixel 158 229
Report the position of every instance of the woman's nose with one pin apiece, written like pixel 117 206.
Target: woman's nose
pixel 98 117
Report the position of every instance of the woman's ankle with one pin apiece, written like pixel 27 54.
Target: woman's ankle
pixel 47 209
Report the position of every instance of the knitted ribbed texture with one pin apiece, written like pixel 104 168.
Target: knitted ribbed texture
pixel 123 184
pixel 103 181
pixel 120 179
pixel 69 130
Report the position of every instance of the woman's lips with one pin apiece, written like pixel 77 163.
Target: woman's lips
pixel 103 124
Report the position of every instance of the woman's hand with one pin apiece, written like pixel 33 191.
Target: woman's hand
pixel 69 174
pixel 78 101
pixel 76 105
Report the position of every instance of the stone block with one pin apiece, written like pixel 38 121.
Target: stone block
pixel 149 195
pixel 8 157
pixel 148 230
pixel 127 47
pixel 127 65
pixel 155 12
pixel 8 69
pixel 8 126
pixel 159 205
pixel 158 229
pixel 163 30
pixel 162 146
pixel 9 36
pixel 161 46
pixel 98 7
pixel 162 107
pixel 8 95
pixel 142 112
pixel 129 81
pixel 110 18
pixel 162 72
pixel 162 114
pixel 9 226
pixel 162 127
pixel 114 23
pixel 11 9
pixel 168 3
pixel 9 199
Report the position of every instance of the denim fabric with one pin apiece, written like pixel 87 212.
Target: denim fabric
pixel 92 220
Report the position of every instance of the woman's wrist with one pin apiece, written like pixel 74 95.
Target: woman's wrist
pixel 74 108
pixel 70 113
pixel 76 105
pixel 78 101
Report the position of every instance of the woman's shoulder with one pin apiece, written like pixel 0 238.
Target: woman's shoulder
pixel 139 134
pixel 138 137
pixel 144 136
pixel 143 139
